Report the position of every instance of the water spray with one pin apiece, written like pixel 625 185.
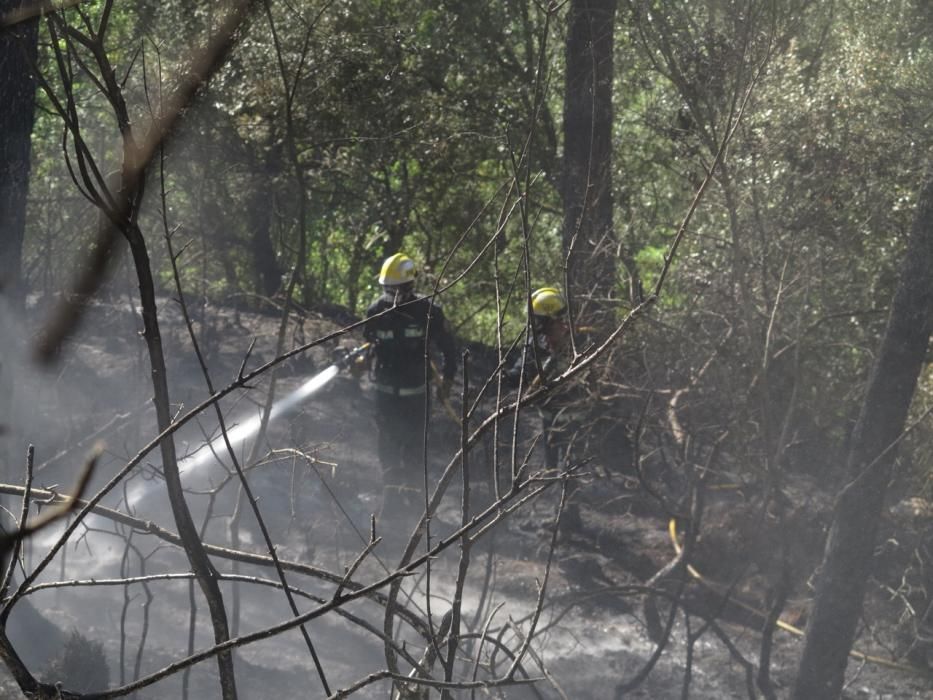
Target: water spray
pixel 208 453
pixel 242 432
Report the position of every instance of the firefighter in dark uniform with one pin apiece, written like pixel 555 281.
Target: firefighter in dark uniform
pixel 563 416
pixel 402 325
pixel 549 345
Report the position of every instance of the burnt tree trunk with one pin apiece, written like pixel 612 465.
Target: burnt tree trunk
pixel 125 219
pixel 18 46
pixel 850 546
pixel 204 570
pixel 588 235
pixel 268 273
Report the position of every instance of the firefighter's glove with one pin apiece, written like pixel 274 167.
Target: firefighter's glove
pixel 443 390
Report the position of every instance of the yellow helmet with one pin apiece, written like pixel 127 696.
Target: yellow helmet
pixel 397 269
pixel 548 301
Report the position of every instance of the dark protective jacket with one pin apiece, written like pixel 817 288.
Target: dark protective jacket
pixel 554 361
pixel 398 338
pixel 563 410
pixel 524 363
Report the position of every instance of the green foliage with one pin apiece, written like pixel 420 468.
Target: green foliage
pixel 794 251
pixel 414 126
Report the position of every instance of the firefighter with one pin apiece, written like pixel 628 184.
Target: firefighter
pixel 402 326
pixel 549 345
pixel 563 411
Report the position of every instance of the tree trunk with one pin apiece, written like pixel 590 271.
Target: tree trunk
pixel 204 570
pixel 268 272
pixel 128 199
pixel 18 46
pixel 850 546
pixel 588 235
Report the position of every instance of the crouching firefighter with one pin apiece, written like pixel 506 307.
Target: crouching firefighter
pixel 547 355
pixel 402 326
pixel 549 345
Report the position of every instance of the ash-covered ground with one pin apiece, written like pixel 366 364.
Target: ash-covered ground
pixel 317 482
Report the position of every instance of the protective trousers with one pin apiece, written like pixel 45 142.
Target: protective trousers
pixel 400 421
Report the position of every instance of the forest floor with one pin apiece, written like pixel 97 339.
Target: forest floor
pixel 591 635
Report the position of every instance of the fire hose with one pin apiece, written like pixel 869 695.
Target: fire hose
pixel 344 357
pixel 786 626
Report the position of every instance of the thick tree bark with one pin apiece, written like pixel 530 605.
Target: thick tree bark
pixel 588 235
pixel 17 95
pixel 849 549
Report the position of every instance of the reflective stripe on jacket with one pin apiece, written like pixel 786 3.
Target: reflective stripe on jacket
pixel 398 333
